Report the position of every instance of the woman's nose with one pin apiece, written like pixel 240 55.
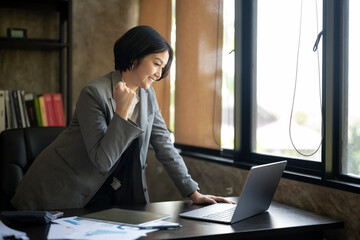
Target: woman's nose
pixel 158 74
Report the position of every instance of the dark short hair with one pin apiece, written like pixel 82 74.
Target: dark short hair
pixel 137 43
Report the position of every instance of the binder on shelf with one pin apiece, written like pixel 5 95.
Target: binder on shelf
pixel 37 111
pixel 43 111
pixel 2 111
pixel 49 107
pixel 59 109
pixel 23 113
pixel 30 109
pixel 15 102
pixel 22 116
pixel 10 111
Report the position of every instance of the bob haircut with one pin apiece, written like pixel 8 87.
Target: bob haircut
pixel 137 43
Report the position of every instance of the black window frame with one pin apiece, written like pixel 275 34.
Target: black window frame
pixel 334 61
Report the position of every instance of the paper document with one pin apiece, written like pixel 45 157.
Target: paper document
pixel 78 228
pixel 9 233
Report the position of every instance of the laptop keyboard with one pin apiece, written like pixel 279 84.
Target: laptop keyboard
pixel 224 215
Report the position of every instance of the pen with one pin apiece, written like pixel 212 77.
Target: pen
pixel 160 227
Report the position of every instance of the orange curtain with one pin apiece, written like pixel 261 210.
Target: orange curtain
pixel 157 14
pixel 198 72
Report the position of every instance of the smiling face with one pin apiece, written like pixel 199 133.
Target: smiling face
pixel 147 71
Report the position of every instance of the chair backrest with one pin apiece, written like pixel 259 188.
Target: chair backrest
pixel 18 150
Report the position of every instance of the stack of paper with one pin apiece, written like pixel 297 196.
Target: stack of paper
pixel 79 228
pixel 9 233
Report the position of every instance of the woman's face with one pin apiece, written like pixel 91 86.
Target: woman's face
pixel 150 69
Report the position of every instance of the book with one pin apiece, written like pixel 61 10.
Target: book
pixel 49 107
pixel 43 111
pixel 30 109
pixel 2 111
pixel 15 102
pixel 10 110
pixel 21 109
pixel 59 109
pixel 37 111
pixel 24 115
pixel 7 110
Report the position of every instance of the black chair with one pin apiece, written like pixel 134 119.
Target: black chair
pixel 18 149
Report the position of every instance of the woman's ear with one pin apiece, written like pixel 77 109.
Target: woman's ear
pixel 134 64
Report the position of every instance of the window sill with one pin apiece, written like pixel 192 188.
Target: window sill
pixel 306 178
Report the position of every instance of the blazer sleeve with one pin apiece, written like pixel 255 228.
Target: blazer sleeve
pixel 167 154
pixel 106 135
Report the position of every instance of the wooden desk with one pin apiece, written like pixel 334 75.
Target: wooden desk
pixel 279 222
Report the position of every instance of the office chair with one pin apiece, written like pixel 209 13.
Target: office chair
pixel 18 149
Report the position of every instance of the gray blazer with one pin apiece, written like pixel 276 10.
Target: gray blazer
pixel 70 170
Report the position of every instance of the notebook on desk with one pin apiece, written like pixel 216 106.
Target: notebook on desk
pixel 126 217
pixel 255 198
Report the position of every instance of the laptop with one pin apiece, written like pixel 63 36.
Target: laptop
pixel 255 197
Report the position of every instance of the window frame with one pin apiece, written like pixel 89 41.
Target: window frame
pixel 340 112
pixel 334 60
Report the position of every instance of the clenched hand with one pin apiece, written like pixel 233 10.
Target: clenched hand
pixel 124 97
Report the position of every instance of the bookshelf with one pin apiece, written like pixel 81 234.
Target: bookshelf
pixel 62 45
pixel 32 44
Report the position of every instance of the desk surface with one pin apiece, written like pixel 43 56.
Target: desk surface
pixel 279 222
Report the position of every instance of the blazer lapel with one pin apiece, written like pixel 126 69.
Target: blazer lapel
pixel 143 112
pixel 115 78
pixel 112 104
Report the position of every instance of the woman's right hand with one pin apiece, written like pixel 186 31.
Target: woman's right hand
pixel 124 97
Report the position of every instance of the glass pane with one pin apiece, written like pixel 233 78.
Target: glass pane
pixel 228 74
pixel 288 122
pixel 351 158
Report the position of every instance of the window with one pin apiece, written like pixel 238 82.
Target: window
pixel 288 79
pixel 228 73
pixel 293 93
pixel 351 146
pixel 327 78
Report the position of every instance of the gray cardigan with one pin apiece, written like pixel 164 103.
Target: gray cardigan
pixel 71 169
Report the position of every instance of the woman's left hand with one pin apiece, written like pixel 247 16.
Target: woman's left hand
pixel 199 198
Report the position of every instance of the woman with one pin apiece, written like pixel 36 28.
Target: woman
pixel 100 159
